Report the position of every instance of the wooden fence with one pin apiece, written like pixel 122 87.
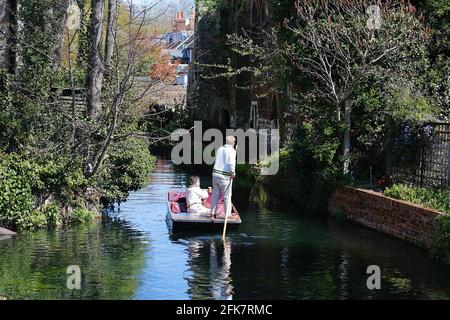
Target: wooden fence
pixel 431 168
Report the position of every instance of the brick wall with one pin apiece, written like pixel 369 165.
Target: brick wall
pixel 398 218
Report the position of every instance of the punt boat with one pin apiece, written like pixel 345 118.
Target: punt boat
pixel 179 219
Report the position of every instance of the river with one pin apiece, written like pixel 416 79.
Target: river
pixel 275 254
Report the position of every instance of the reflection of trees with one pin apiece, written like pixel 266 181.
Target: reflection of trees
pixel 210 262
pixel 110 255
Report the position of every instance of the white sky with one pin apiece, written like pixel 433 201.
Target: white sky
pixel 179 4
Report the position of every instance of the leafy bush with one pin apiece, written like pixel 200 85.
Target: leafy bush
pixel 127 168
pixel 441 242
pixel 52 215
pixel 310 165
pixel 82 215
pixel 32 220
pixel 209 5
pixel 432 198
pixel 17 180
pixel 49 216
pixel 25 184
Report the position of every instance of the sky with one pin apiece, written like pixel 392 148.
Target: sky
pixel 176 4
pixel 169 7
pixel 165 10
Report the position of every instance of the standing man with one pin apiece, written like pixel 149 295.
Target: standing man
pixel 223 174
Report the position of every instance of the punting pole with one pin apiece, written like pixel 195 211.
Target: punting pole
pixel 228 209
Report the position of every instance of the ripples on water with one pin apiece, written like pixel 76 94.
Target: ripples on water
pixel 282 254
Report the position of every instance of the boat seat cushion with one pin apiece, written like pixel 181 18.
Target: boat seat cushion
pixel 177 207
pixel 176 196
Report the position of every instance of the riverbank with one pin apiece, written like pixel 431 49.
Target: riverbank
pixel 401 219
pixel 48 192
pixel 415 223
pixel 424 227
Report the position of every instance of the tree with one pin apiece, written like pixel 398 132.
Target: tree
pixel 83 41
pixel 95 63
pixel 338 45
pixel 59 13
pixel 43 120
pixel 344 43
pixel 10 22
pixel 110 32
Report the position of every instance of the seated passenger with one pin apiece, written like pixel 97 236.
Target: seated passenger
pixel 194 197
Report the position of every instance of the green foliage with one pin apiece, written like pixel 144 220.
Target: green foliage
pixel 25 184
pixel 436 7
pixel 45 145
pixel 49 216
pixel 127 169
pixel 82 215
pixel 441 243
pixel 432 198
pixel 6 121
pixel 310 166
pixel 32 220
pixel 17 181
pixel 208 5
pixel 52 213
pixel 61 178
pixel 407 107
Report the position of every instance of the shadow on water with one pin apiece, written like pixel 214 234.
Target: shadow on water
pixel 277 253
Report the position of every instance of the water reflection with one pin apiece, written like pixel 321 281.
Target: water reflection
pixel 33 265
pixel 209 266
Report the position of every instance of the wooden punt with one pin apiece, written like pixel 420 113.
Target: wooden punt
pixel 179 219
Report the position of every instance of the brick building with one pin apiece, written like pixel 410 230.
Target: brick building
pixel 181 23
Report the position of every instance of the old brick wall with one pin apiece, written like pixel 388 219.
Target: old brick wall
pixel 401 219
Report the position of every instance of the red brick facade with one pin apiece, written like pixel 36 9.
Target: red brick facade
pixel 401 219
pixel 180 23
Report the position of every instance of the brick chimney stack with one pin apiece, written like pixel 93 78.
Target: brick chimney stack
pixel 179 23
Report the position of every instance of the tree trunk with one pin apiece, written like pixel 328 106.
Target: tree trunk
pixel 347 118
pixel 11 36
pixel 110 32
pixel 82 34
pixel 60 17
pixel 95 61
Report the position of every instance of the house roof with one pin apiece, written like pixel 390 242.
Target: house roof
pixel 187 43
